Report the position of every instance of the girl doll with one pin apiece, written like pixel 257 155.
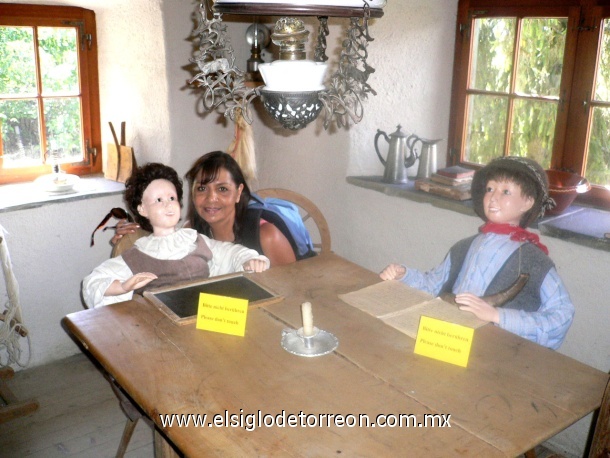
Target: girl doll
pixel 153 195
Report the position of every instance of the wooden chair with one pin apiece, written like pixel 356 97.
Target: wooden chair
pixel 311 215
pixel 600 446
pixel 127 241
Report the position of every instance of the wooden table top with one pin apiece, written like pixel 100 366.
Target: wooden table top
pixel 512 396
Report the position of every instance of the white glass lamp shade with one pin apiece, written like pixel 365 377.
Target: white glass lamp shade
pixel 293 75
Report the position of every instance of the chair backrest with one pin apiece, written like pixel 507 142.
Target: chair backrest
pixel 127 242
pixel 600 446
pixel 310 214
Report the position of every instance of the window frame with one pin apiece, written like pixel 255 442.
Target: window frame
pixel 43 15
pixel 581 52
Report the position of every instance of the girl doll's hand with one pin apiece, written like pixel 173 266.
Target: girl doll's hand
pixel 123 227
pixel 138 281
pixel 255 265
pixel 481 309
pixel 117 288
pixel 393 272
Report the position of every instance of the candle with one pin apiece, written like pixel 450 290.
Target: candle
pixel 307 319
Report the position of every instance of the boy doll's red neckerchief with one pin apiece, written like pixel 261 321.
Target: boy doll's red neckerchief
pixel 517 233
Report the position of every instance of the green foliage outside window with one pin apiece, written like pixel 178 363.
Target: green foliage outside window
pixel 534 93
pixel 20 95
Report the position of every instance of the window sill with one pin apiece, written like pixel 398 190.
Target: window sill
pixel 581 225
pixel 28 195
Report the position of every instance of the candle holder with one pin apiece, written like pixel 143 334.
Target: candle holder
pixel 318 344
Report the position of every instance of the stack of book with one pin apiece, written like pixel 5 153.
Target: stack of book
pixel 452 182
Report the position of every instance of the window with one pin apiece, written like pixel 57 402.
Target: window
pixel 49 96
pixel 534 80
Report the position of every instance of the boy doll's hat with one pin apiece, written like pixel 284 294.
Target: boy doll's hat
pixel 521 169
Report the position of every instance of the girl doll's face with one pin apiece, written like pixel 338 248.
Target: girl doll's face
pixel 503 202
pixel 160 205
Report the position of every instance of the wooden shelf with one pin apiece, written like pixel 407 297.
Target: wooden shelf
pixel 287 9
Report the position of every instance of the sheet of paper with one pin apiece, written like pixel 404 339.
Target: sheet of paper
pixel 385 297
pixel 407 321
pixel 401 306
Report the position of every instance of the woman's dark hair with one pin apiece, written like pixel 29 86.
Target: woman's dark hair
pixel 137 183
pixel 210 165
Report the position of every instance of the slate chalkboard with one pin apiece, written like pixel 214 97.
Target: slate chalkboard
pixel 183 301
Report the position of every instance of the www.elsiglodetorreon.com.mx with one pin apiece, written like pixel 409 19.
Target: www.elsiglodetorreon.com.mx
pixel 252 421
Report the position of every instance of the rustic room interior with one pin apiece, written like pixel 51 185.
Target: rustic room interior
pixel 144 47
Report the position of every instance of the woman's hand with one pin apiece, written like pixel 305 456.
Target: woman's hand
pixel 481 309
pixel 393 272
pixel 255 265
pixel 123 227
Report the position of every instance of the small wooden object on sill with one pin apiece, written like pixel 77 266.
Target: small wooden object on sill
pixel 460 192
pixel 121 160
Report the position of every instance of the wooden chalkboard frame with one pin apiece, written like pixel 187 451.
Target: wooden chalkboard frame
pixel 159 296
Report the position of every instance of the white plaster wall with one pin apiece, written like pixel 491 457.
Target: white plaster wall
pixel 143 82
pixel 50 245
pixel 50 253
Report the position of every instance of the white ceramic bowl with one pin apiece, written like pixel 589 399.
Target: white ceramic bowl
pixel 57 182
pixel 293 75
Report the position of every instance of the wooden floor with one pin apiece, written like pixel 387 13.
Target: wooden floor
pixel 79 415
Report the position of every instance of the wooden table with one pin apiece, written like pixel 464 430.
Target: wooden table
pixel 512 396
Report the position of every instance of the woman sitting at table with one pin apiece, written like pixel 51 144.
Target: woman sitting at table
pixel 219 209
pixel 154 196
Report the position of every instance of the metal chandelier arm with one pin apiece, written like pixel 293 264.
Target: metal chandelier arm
pixel 221 80
pixel 224 84
pixel 348 86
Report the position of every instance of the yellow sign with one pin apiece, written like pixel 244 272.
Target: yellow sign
pixel 444 341
pixel 222 314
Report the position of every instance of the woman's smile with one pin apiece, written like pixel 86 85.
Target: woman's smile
pixel 215 201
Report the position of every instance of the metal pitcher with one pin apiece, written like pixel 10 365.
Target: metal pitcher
pixel 427 156
pixel 398 161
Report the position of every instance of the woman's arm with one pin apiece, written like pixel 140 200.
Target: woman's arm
pixel 124 227
pixel 275 245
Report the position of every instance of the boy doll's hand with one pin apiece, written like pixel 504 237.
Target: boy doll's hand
pixel 393 272
pixel 481 309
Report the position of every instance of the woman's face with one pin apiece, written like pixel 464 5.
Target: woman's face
pixel 215 201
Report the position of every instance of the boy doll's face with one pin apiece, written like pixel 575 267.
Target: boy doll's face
pixel 504 203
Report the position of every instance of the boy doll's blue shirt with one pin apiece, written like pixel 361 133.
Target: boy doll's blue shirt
pixel 486 256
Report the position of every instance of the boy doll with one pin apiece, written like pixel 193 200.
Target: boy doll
pixel 154 196
pixel 509 194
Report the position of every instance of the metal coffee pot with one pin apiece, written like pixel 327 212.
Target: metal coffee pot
pixel 427 156
pixel 399 158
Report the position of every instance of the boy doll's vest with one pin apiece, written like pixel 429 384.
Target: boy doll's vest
pixel 194 266
pixel 527 259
